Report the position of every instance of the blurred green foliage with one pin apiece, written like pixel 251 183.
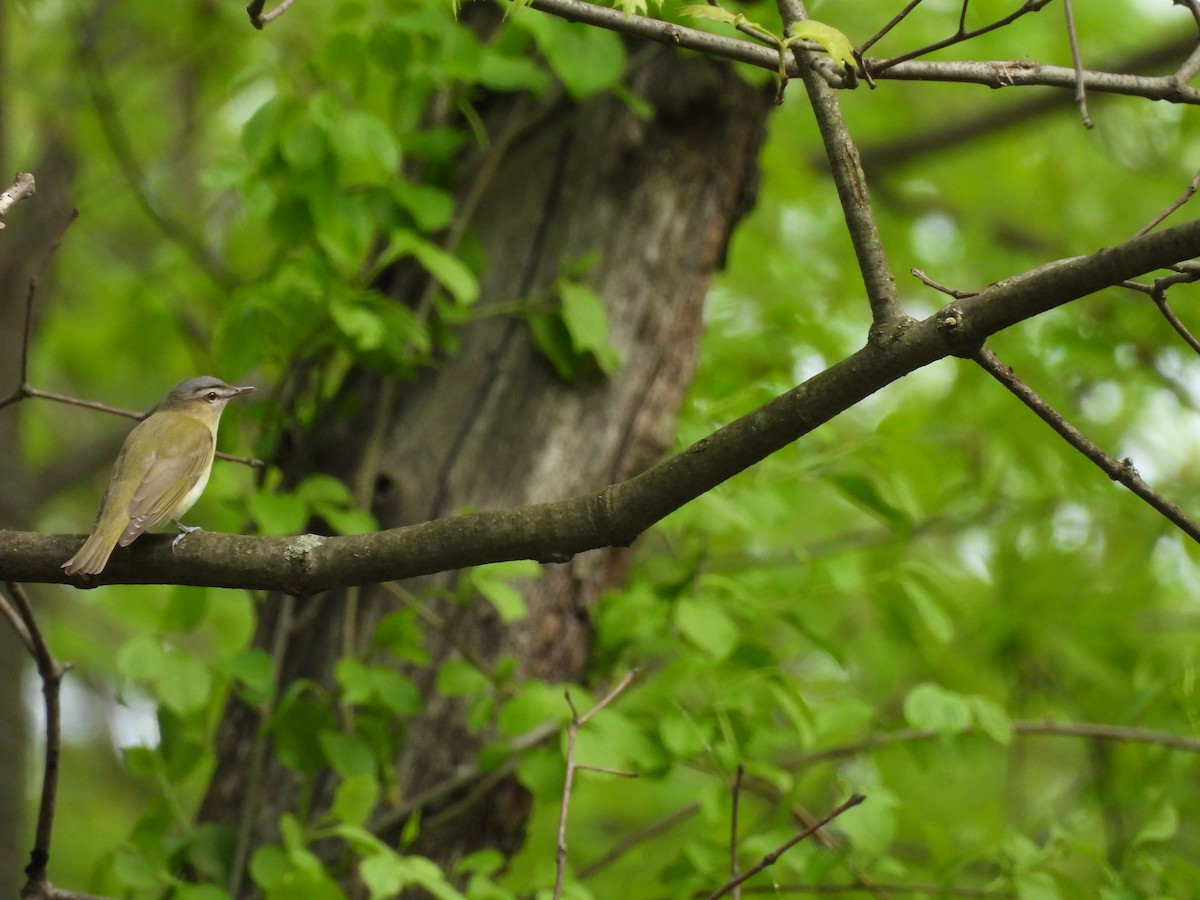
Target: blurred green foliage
pixel 882 608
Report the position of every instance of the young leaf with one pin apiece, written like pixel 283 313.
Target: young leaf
pixel 836 44
pixel 705 11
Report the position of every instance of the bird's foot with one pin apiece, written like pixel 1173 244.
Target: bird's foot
pixel 184 531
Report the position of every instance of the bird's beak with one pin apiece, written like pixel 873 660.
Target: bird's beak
pixel 242 390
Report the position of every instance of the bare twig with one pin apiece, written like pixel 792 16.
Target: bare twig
pixel 1189 67
pixel 1073 39
pixel 443 628
pixel 577 722
pixel 990 74
pixel 627 843
pixel 22 188
pixel 1183 198
pixel 258 19
pixel 938 286
pixel 23 389
pixel 51 673
pixel 258 754
pixel 1120 471
pixel 735 801
pixel 1028 727
pixel 771 858
pixel 876 889
pixel 1158 293
pixel 896 20
pixel 842 152
pixel 959 36
pixel 1191 6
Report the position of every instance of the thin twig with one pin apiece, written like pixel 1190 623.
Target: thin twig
pixel 22 188
pixel 1183 198
pixel 1120 471
pixel 255 11
pixel 1186 273
pixel 771 858
pixel 735 798
pixel 938 286
pixel 442 627
pixel 10 615
pixel 1073 40
pixel 577 722
pixel 880 890
pixel 1189 67
pixel 960 36
pixel 630 841
pixel 258 755
pixel 896 20
pixel 1192 6
pixel 23 390
pixel 1027 727
pixel 51 673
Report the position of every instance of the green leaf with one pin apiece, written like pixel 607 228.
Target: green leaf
pixel 457 678
pixel 255 670
pixel 534 705
pixel 551 338
pixel 185 610
pixel 715 13
pixel 586 322
pixel 507 600
pixel 586 60
pixel 836 44
pixel 991 719
pixel 366 148
pixel 276 513
pixel 1163 824
pixel 865 492
pixel 199 892
pixel 348 754
pixel 431 208
pixel 932 616
pixel 183 682
pixel 396 691
pixel 355 799
pixel 932 706
pixel 141 658
pixel 503 72
pixel 294 723
pixel 705 624
pixel 445 268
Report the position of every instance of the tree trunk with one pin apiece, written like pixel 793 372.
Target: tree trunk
pixel 653 202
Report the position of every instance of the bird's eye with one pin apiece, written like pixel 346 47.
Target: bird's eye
pixel 212 396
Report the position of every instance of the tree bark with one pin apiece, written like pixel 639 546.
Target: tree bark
pixel 653 202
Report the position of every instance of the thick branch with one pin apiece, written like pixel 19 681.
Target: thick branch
pixel 614 516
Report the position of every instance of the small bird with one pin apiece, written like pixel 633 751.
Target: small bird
pixel 161 471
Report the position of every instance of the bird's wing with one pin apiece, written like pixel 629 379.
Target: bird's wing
pixel 173 472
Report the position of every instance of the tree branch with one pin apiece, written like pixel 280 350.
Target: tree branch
pixel 851 182
pixel 1120 471
pixel 22 188
pixel 615 515
pixel 994 74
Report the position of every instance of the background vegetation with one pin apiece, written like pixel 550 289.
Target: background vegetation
pixel 932 600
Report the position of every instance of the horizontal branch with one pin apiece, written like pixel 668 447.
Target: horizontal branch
pixel 616 515
pixel 994 74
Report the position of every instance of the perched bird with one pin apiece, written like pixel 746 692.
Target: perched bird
pixel 161 471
